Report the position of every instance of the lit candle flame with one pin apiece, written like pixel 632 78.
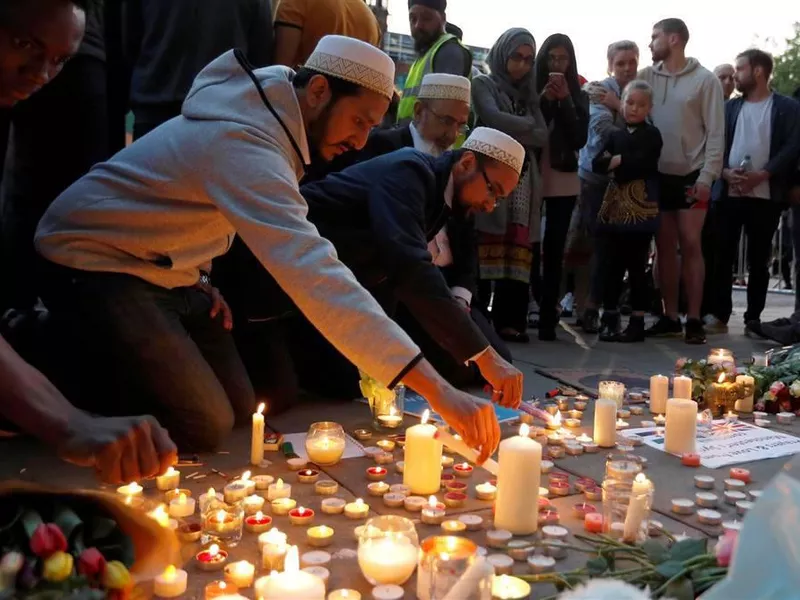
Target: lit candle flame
pixel 292 562
pixel 259 516
pixel 432 502
pixel 182 499
pixel 425 416
pixel 392 411
pixel 557 418
pixel 359 502
pixel 301 511
pixel 211 492
pixel 222 585
pixel 640 478
pixel 524 430
pixel 213 550
pixel 159 514
pixel 463 466
pixel 169 573
pixel 220 516
pixel 170 471
pixel 246 476
pixel 279 485
pixel 261 408
pixel 721 377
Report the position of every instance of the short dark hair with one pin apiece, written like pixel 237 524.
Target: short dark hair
pixel 8 8
pixel 676 26
pixel 339 87
pixel 758 58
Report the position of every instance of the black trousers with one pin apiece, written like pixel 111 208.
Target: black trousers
pixel 509 306
pixel 759 218
pixel 558 212
pixel 57 135
pixel 620 252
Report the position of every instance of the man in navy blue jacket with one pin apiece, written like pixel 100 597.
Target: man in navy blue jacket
pixel 762 145
pixel 382 213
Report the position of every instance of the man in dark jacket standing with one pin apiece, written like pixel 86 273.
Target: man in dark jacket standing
pixel 382 214
pixel 762 133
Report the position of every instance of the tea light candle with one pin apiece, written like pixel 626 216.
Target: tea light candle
pixel 593 493
pixel 321 572
pixel 414 503
pixel 660 420
pixel 584 482
pixel 742 506
pixel 307 476
pixel 394 499
pixel 519 550
pixel 755 494
pixel 240 574
pixel 182 507
pixel 388 592
pixel 169 480
pixel 447 462
pixel 362 435
pixel 262 481
pixel 282 506
pixel 160 515
pixel 637 410
pixel 556 452
pixel 590 447
pixel 297 463
pixel 623 413
pixel 572 423
pixel 456 486
pixel 548 517
pixel 452 527
pixel 400 466
pixel 371 451
pixel 455 499
pixel 356 510
pixel 704 482
pixel 326 487
pixel 546 466
pixel 498 538
pixel 377 488
pixel 333 506
pixel 573 448
pixel 785 418
pixel 205 500
pixel 486 491
pixel 133 490
pixel 219 589
pixel 171 583
pixel 621 424
pixel 555 548
pixel 258 523
pixel 253 504
pixel 446 478
pixel 706 499
pixel 682 506
pixel 383 458
pixel 292 583
pixel 301 516
pixel 559 488
pixel 731 417
pixel 539 563
pixel 732 497
pixel 385 445
pixel 189 533
pixel 502 563
pixel 392 420
pixel 463 470
pixel 555 438
pixel 581 401
pixel 605 415
pixel 656 528
pixel 278 490
pixel 424 453
pixel 576 414
pixel 593 522
pixel 472 522
pixel 212 559
pixel 344 594
pixel 171 495
pixel 582 509
pixel 377 473
pixel 732 526
pixel 235 491
pixel 433 513
pixel 762 422
pixel 319 536
pixel 709 517
pixel 315 558
pixel 555 532
pixel 690 459
pixel 400 488
pixel 735 484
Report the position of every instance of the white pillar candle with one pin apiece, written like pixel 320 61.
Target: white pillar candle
pixel 240 574
pixel 518 484
pixel 279 489
pixel 257 437
pixel 605 423
pixel 659 391
pixel 181 507
pixel 637 508
pixel 387 560
pixel 681 428
pixel 682 387
pixel 171 583
pixel 273 549
pixel 292 583
pixel 745 405
pixel 423 458
pixel 169 480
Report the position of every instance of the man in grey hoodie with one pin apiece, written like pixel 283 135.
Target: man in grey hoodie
pixel 688 111
pixel 131 243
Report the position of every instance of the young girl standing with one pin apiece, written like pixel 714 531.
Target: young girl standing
pixel 628 216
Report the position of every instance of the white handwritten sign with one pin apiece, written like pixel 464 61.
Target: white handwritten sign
pixel 725 444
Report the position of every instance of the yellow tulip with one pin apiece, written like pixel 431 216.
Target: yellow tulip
pixel 57 567
pixel 116 576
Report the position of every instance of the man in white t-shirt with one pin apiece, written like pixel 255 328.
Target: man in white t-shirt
pixel 762 131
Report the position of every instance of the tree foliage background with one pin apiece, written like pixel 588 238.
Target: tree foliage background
pixel 786 75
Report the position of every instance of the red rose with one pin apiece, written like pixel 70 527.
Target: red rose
pixel 91 563
pixel 47 540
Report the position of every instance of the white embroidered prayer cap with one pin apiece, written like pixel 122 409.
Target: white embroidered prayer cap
pixel 354 61
pixel 444 86
pixel 497 145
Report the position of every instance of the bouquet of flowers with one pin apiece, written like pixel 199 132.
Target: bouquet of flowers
pixel 780 398
pixel 701 372
pixel 77 545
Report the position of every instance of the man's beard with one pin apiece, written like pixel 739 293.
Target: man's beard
pixel 424 41
pixel 316 134
pixel 431 148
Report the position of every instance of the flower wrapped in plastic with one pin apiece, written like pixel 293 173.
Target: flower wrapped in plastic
pixel 79 545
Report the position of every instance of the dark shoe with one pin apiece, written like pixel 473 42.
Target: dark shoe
pixel 783 334
pixel 634 332
pixel 609 327
pixel 590 323
pixel 516 336
pixel 753 328
pixel 665 327
pixel 547 334
pixel 695 334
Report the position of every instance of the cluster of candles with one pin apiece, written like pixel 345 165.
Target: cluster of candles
pixel 735 493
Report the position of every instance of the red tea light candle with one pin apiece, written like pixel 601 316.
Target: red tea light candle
pixel 211 559
pixel 543 503
pixel 378 488
pixel 559 488
pixel 301 516
pixel 549 517
pixel 307 476
pixel 463 470
pixel 584 482
pixel 582 509
pixel 446 478
pixel 690 459
pixel 456 486
pixel 740 474
pixel 377 473
pixel 384 458
pixel 593 522
pixel 455 499
pixel 593 493
pixel 486 491
pixel 558 476
pixel 258 523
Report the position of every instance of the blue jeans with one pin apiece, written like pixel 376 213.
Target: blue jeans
pixel 139 349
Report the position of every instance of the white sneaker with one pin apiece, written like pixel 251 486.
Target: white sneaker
pixel 567 303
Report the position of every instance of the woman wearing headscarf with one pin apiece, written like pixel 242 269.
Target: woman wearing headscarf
pixel 507 100
pixel 566 111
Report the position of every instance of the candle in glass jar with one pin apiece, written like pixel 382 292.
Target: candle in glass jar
pixel 253 504
pixel 518 483
pixel 387 560
pixel 681 428
pixel 182 506
pixel 638 507
pixel 392 420
pixel 423 458
pixel 325 450
pixel 279 489
pixel 257 436
pixel 208 498
pixel 171 583
pixel 605 420
pixel 682 387
pixel 240 574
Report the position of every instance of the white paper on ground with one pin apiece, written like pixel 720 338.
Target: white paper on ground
pixel 765 563
pixel 352 448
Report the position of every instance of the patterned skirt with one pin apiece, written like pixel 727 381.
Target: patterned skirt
pixel 507 256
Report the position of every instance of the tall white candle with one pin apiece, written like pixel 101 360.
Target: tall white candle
pixel 423 458
pixel 682 387
pixel 292 583
pixel 745 405
pixel 257 439
pixel 681 427
pixel 659 391
pixel 605 423
pixel 637 508
pixel 518 484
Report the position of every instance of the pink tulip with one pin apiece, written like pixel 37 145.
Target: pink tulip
pixel 725 548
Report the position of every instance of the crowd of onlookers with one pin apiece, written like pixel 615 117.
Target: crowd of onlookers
pixel 304 203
